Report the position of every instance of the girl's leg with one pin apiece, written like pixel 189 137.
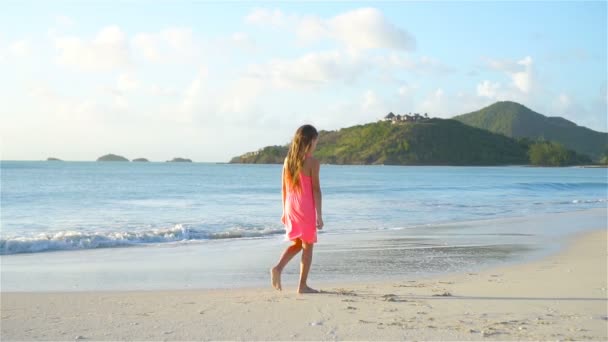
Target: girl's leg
pixel 288 254
pixel 305 267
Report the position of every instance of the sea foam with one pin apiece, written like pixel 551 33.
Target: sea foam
pixel 71 240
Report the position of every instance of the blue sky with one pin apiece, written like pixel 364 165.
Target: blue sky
pixel 209 81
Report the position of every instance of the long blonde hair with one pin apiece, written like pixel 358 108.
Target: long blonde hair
pixel 300 145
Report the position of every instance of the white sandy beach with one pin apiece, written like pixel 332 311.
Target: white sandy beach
pixel 561 297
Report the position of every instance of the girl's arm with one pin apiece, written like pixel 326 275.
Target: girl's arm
pixel 283 191
pixel 316 190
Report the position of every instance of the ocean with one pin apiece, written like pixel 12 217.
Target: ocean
pixel 125 225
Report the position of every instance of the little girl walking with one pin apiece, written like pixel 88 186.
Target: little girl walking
pixel 302 214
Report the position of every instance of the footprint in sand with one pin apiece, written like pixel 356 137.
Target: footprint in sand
pixel 364 321
pixel 393 298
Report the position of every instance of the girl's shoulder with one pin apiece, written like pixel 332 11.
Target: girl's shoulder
pixel 310 160
pixel 310 164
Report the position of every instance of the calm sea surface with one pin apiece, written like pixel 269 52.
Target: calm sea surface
pixel 78 205
pixel 73 207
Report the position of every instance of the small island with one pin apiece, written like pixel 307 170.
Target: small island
pixel 179 160
pixel 112 157
pixel 140 160
pixel 53 159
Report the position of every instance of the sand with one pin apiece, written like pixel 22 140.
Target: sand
pixel 561 297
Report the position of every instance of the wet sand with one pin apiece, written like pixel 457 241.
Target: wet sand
pixel 561 297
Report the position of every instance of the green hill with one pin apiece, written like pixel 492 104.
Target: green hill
pixel 430 142
pixel 517 121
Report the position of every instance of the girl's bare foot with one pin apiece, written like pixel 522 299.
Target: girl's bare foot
pixel 307 289
pixel 275 277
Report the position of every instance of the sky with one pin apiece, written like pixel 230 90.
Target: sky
pixel 212 80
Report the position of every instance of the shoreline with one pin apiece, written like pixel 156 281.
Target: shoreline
pixel 415 252
pixel 560 296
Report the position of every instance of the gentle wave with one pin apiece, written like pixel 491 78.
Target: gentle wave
pixel 73 240
pixel 526 186
pixel 560 186
pixel 601 200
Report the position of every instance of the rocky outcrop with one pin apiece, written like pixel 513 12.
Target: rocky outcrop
pixel 112 157
pixel 179 160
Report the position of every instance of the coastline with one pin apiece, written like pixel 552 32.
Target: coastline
pixel 410 252
pixel 559 297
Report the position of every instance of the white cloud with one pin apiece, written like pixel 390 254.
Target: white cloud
pixel 406 90
pixel 523 79
pixel 170 45
pixel 157 90
pixel 317 69
pixel 63 21
pixel 178 38
pixel 359 29
pixel 521 72
pixel 310 29
pixel 225 45
pixel 127 83
pixel 443 104
pixel 435 104
pixel 488 89
pixel 590 114
pixel 370 100
pixel 564 100
pixel 367 28
pixel 235 103
pixel 439 94
pixel 19 49
pixel 192 97
pixel 501 65
pixel 242 40
pixel 404 99
pixel 108 50
pixel 262 16
pixel 57 107
pixel 313 69
pixel 240 102
pixel 367 107
pixel 403 62
pixel 147 43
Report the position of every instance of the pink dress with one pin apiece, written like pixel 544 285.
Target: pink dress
pixel 299 214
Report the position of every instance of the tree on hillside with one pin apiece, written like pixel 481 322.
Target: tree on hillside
pixel 550 153
pixel 604 156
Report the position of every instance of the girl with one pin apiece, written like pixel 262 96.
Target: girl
pixel 302 214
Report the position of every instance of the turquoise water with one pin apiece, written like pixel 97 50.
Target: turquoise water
pixel 71 226
pixel 49 206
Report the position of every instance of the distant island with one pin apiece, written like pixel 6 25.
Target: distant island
pixel 53 159
pixel 179 160
pixel 112 157
pixel 414 139
pixel 140 160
